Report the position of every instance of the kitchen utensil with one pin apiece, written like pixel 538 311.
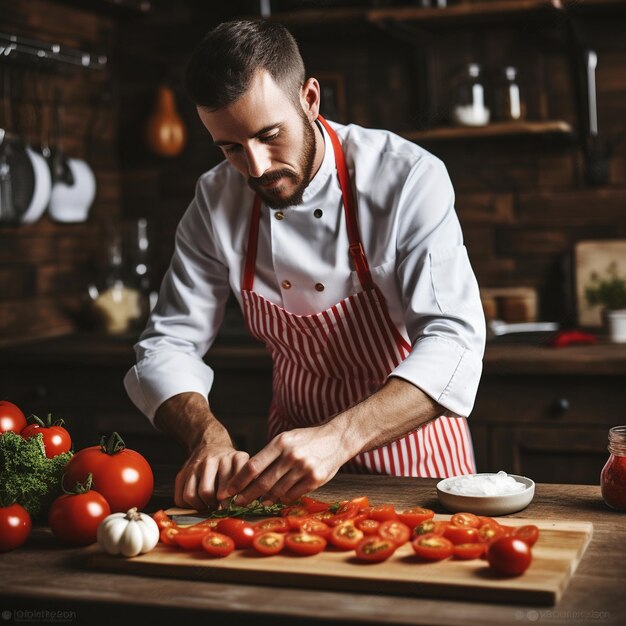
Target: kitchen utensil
pixel 165 131
pixel 486 505
pixel 556 555
pixel 597 163
pixel 73 181
pixel 7 210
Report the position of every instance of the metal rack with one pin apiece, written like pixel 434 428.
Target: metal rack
pixel 16 45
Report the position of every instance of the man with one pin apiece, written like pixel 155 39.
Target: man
pixel 345 253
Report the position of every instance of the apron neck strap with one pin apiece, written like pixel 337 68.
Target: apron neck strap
pixel 349 205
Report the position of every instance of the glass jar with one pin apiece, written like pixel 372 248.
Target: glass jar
pixel 613 475
pixel 508 102
pixel 469 108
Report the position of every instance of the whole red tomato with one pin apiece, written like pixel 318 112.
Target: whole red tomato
pixel 11 418
pixel 509 555
pixel 75 516
pixel 15 526
pixel 121 475
pixel 56 439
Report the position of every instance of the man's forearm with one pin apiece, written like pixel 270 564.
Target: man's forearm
pixel 188 418
pixel 396 409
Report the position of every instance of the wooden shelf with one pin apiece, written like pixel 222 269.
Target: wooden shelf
pixel 461 12
pixel 497 129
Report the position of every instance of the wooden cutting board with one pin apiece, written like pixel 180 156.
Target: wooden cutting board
pixel 555 557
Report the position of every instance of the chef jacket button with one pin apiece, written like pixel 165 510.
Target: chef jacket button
pixel 279 215
pixel 319 286
pixel 286 284
pixel 318 213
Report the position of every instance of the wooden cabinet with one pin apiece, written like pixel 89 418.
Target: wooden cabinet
pixel 551 425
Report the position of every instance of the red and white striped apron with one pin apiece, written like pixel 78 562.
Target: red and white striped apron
pixel 329 361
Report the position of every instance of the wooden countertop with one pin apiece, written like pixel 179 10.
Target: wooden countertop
pixel 44 576
pixel 604 359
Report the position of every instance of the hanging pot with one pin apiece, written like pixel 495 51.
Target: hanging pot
pixel 165 131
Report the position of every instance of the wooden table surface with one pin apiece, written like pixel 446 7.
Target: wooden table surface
pixel 45 576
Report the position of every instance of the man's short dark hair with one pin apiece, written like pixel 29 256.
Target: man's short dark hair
pixel 224 63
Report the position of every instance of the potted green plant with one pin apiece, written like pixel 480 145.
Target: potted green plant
pixel 609 291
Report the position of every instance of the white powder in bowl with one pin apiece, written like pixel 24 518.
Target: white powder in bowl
pixel 500 484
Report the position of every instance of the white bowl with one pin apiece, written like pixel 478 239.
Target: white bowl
pixel 486 505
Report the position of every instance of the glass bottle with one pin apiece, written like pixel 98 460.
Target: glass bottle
pixel 508 102
pixel 140 254
pixel 469 108
pixel 613 475
pixel 117 302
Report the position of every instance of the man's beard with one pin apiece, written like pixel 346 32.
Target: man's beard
pixel 307 157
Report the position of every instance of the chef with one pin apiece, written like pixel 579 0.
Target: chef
pixel 344 251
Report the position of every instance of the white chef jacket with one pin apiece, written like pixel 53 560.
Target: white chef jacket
pixel 412 239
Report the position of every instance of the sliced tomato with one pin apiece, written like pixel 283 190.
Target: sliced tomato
pixel 240 531
pixel 346 511
pixel 461 534
pixel 275 524
pixel 395 530
pixel 315 527
pixel 362 502
pixel 166 536
pixel 375 549
pixel 268 542
pixel 324 516
pixel 468 551
pixel 345 536
pixel 383 512
pixel 465 520
pixel 528 534
pixel 415 516
pixel 487 520
pixel 490 531
pixel 217 544
pixel 432 547
pixel 368 526
pixel 509 555
pixel 163 520
pixel 294 511
pixel 190 538
pixel 313 505
pixel 210 523
pixel 305 544
pixel 430 526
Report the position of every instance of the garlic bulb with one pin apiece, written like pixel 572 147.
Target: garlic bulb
pixel 129 533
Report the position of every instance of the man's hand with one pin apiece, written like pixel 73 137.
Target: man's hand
pixel 207 472
pixel 292 464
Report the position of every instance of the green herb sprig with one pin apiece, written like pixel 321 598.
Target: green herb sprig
pixel 253 509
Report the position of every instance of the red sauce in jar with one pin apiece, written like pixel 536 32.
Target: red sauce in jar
pixel 613 476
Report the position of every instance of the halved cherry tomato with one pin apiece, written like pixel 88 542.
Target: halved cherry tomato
pixel 269 542
pixel 465 520
pixel 509 555
pixel 166 536
pixel 217 544
pixel 312 505
pixel 324 516
pixel 487 520
pixel 373 548
pixel 429 527
pixel 240 531
pixel 528 534
pixel 210 523
pixel 305 544
pixel 189 538
pixel 163 520
pixel 315 527
pixel 432 547
pixel 362 502
pixel 346 511
pixel 294 511
pixel 383 512
pixel 345 536
pixel 461 534
pixel 275 524
pixel 415 516
pixel 395 530
pixel 490 531
pixel 467 551
pixel 368 526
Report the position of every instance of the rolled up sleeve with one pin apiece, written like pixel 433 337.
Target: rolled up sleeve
pixel 440 296
pixel 185 320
